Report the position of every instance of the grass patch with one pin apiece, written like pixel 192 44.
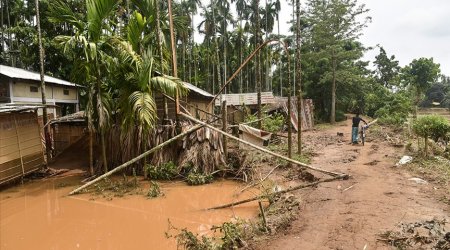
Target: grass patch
pixel 435 168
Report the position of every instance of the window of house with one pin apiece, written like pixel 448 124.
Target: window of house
pixel 34 89
pixel 4 90
pixel 66 92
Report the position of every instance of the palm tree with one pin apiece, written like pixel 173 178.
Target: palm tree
pixel 241 7
pixel 41 63
pixel 257 29
pixel 112 67
pixel 89 44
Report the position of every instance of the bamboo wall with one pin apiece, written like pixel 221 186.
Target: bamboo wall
pixel 65 134
pixel 194 104
pixel 21 149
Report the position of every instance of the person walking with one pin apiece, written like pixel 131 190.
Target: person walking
pixel 355 127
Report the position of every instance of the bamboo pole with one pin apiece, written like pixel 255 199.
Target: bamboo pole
pixel 141 156
pixel 341 175
pixel 259 197
pixel 18 144
pixel 224 128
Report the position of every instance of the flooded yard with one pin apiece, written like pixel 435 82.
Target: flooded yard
pixel 40 215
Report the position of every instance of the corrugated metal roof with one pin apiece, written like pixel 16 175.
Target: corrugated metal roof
pixel 197 90
pixel 8 108
pixel 247 99
pixel 75 117
pixel 29 75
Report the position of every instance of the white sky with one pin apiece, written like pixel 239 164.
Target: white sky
pixel 408 29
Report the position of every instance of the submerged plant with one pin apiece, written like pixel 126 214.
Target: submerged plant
pixel 166 171
pixel 154 191
pixel 194 178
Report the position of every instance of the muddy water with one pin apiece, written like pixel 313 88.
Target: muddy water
pixel 39 215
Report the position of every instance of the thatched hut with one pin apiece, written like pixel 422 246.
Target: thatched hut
pixel 196 102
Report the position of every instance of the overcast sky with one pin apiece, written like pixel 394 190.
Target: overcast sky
pixel 408 29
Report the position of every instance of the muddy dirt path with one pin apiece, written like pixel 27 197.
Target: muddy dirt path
pixel 349 214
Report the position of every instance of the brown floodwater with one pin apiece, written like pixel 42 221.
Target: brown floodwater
pixel 40 215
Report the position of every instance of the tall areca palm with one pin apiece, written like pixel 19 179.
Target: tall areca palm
pixel 241 7
pixel 100 56
pixel 91 62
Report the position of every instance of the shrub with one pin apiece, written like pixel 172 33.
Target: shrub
pixel 272 123
pixel 194 178
pixel 431 126
pixel 395 110
pixel 154 191
pixel 166 171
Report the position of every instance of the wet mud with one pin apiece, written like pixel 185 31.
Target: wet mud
pixel 40 215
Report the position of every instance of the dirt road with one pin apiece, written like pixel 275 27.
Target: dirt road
pixel 349 214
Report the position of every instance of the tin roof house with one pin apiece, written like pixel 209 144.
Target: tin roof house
pixel 19 86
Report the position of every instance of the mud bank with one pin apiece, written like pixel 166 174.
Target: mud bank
pixel 40 215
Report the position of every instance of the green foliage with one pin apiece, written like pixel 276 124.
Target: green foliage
pixel 166 171
pixel 274 123
pixel 304 158
pixel 154 191
pixel 270 123
pixel 421 73
pixel 231 235
pixel 431 126
pixel 387 69
pixel 395 109
pixel 190 241
pixel 195 179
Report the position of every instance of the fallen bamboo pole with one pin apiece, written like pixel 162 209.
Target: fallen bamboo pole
pixel 263 149
pixel 141 156
pixel 277 193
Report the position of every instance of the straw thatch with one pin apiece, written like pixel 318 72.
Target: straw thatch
pixel 201 150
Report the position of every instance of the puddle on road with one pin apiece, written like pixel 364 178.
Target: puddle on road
pixel 39 215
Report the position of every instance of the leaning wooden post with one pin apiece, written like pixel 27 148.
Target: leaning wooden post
pixel 263 215
pixel 141 156
pixel 224 128
pixel 340 175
